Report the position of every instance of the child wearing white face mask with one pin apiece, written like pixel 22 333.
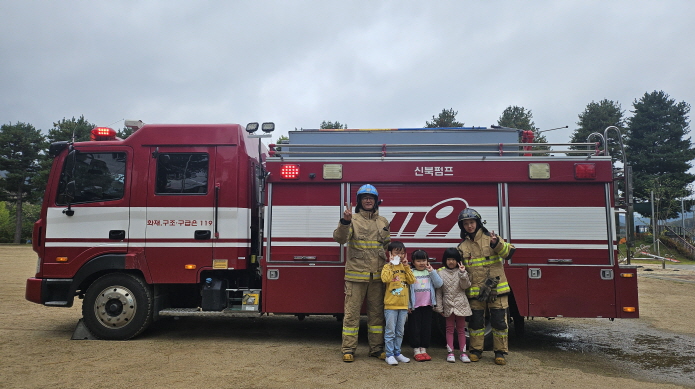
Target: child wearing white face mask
pixel 397 276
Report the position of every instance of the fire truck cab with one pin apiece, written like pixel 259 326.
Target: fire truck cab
pixel 181 220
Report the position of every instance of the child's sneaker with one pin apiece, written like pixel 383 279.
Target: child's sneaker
pixel 402 358
pixel 464 358
pixel 391 360
pixel 451 358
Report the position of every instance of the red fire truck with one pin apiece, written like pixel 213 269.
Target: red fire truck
pixel 183 220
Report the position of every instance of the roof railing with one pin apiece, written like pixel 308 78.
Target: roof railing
pixel 392 150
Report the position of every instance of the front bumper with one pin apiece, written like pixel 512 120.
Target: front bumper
pixel 54 292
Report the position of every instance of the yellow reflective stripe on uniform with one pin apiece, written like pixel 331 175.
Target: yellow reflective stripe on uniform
pixel 357 275
pixel 500 333
pixel 503 287
pixel 480 332
pixel 473 291
pixel 366 244
pixel 362 275
pixel 505 250
pixel 350 331
pixel 483 261
pixel 376 329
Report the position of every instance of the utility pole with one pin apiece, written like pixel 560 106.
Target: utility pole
pixel 629 214
pixel 682 217
pixel 655 226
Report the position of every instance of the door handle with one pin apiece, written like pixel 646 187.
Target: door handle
pixel 117 234
pixel 202 234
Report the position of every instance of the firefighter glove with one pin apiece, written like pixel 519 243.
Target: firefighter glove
pixel 484 292
pixel 488 291
pixel 493 296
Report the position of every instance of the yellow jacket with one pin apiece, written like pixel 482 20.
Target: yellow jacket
pixel 367 237
pixel 397 278
pixel 483 261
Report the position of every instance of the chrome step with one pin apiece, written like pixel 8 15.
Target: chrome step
pixel 182 312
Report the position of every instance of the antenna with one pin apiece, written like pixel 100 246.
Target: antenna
pixel 553 129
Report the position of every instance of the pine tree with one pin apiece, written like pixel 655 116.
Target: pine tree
pixel 660 151
pixel 596 118
pixel 333 125
pixel 20 154
pixel 65 129
pixel 446 119
pixel 522 119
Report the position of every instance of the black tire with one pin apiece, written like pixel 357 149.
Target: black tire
pixel 519 325
pixel 516 318
pixel 117 306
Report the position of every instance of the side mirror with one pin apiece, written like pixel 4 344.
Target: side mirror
pixel 69 195
pixel 70 163
pixel 70 190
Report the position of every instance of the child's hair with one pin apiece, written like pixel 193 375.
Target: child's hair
pixel 396 245
pixel 451 252
pixel 419 254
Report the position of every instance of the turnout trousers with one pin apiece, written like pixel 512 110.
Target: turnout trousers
pixel 498 321
pixel 355 293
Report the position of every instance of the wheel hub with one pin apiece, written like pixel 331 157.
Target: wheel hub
pixel 115 306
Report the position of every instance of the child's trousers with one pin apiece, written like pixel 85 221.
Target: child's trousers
pixel 420 327
pixel 457 323
pixel 393 333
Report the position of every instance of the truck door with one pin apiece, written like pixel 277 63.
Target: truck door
pixel 563 235
pixel 179 213
pixel 304 267
pixel 98 222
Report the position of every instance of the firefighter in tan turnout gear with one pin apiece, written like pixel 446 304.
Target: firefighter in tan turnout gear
pixel 367 236
pixel 484 253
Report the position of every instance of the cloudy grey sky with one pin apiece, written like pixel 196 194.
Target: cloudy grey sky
pixel 370 64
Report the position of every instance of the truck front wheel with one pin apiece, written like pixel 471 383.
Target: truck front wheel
pixel 117 306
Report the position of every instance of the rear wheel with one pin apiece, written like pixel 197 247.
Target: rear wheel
pixel 117 306
pixel 516 318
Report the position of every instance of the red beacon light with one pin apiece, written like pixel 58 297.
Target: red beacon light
pixel 103 133
pixel 289 172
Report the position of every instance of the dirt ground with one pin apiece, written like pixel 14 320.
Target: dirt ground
pixel 272 352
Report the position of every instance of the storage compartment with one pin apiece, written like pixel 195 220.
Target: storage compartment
pixel 244 299
pixel 214 295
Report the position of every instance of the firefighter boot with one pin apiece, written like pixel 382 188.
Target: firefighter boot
pixel 499 358
pixel 378 354
pixel 475 355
